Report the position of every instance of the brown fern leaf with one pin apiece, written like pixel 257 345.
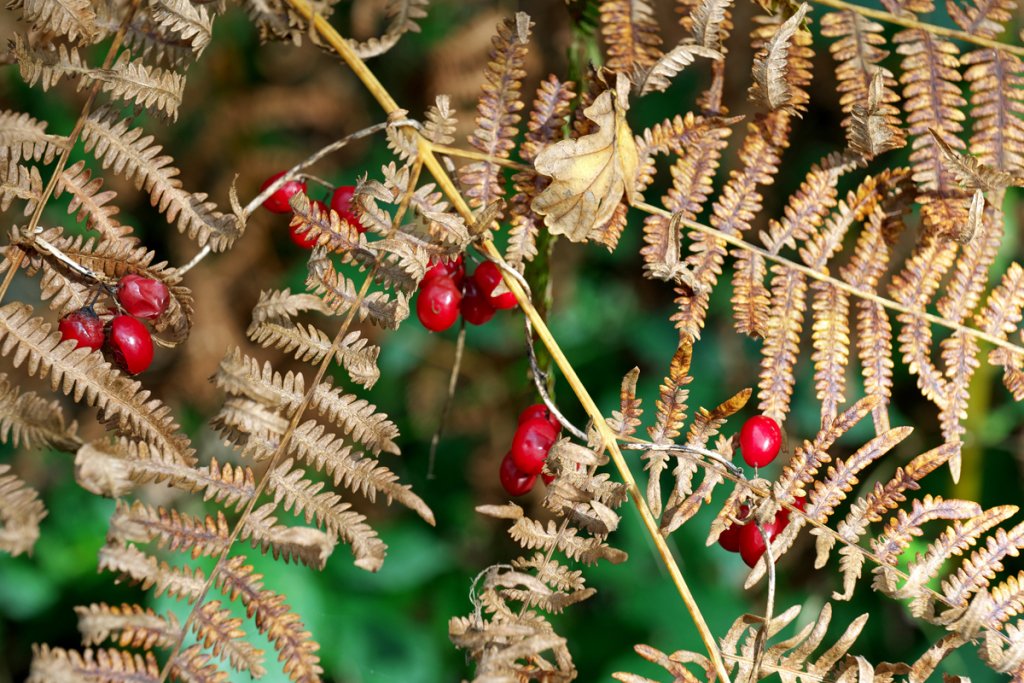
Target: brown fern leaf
pixel 498 111
pixel 188 22
pixel 773 88
pixel 684 501
pixel 782 342
pixel 905 525
pixel 134 565
pixel 57 665
pixel 874 126
pixel 90 202
pixel 28 420
pixel 625 420
pixel 142 523
pixel 295 646
pixel 547 119
pixel 218 630
pixel 669 418
pixel 441 122
pixel 75 19
pixel 976 572
pixel 127 625
pixel 831 342
pixel 699 143
pixel 122 403
pixel 631 35
pixel 340 294
pixel 19 182
pixel 23 137
pixel 736 206
pixel 21 511
pixel 404 14
pixel 117 146
pixel 1000 317
pixel 311 345
pixel 971 173
pixel 993 77
pixel 1007 601
pixel 709 22
pixel 310 546
pixel 660 75
pixel 281 303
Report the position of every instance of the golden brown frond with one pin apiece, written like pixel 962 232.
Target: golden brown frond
pixel 626 419
pixel 997 138
pixel 772 88
pixel 57 665
pixel 116 145
pixel 547 118
pixel 127 625
pixel 709 22
pixel 404 14
pixel 142 523
pixel 21 511
pixel 218 630
pixel 340 294
pixel 971 173
pixel 441 121
pixel 30 421
pixel 631 35
pixel 873 124
pixel 19 182
pixel 311 345
pixel 90 202
pixel 1000 316
pixel 189 22
pixel 782 342
pixel 23 137
pixel 75 19
pixel 307 545
pixel 498 111
pixel 122 403
pixel 660 75
pixel 976 572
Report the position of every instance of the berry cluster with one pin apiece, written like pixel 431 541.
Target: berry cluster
pixel 124 337
pixel 341 202
pixel 538 429
pixel 445 291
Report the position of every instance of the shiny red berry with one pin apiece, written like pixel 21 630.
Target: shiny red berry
pixel 143 297
pixel 513 480
pixel 455 269
pixel 278 202
pixel 531 444
pixel 475 307
pixel 752 545
pixel 730 538
pixel 437 306
pixel 539 410
pixel 129 344
pixel 84 327
pixel 341 202
pixel 488 276
pixel 760 440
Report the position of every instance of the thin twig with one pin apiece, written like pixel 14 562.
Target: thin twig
pixel 453 380
pixel 540 382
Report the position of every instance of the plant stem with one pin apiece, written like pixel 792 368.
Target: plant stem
pixel 445 184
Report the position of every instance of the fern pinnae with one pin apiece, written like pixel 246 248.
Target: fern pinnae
pixel 771 86
pixel 669 418
pixel 215 628
pixel 498 111
pixel 630 34
pixel 20 182
pixel 901 529
pixel 75 19
pixel 189 22
pixel 21 511
pixel 403 14
pixel 311 345
pixel 24 138
pixel 127 625
pixel 1000 316
pixel 976 572
pixel 90 202
pixel 339 293
pixel 30 421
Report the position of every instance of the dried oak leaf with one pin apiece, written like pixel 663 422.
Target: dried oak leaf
pixel 590 174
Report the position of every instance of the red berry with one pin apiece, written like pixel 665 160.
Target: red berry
pixel 341 202
pixel 84 326
pixel 539 410
pixel 305 239
pixel 143 297
pixel 278 202
pixel 129 344
pixel 730 538
pixel 531 444
pixel 475 307
pixel 752 545
pixel 488 276
pixel 455 269
pixel 760 440
pixel 437 306
pixel 513 480
pixel 548 478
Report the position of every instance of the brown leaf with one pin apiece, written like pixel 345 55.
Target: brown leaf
pixel 590 174
pixel 770 85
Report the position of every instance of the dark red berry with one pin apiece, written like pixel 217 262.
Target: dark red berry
pixel 760 440
pixel 129 344
pixel 455 269
pixel 341 202
pixel 278 202
pixel 548 478
pixel 475 307
pixel 304 240
pixel 143 297
pixel 83 326
pixel 488 276
pixel 437 306
pixel 531 444
pixel 539 410
pixel 513 480
pixel 752 545
pixel 730 538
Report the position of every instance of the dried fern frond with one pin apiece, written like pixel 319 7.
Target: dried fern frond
pixel 127 152
pixel 874 127
pixel 659 76
pixel 74 19
pixel 21 511
pixel 23 137
pixel 771 86
pixel 340 294
pixel 126 625
pixel 404 14
pixel 57 665
pixel 29 421
pixel 92 204
pixel 20 182
pixel 631 35
pixel 189 22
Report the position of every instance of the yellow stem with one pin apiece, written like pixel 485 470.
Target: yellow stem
pixel 910 22
pixel 433 165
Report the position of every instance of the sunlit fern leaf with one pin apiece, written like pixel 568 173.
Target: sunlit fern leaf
pixel 142 523
pixel 19 182
pixel 311 345
pixel 23 138
pixel 295 647
pixel 1000 317
pixel 997 138
pixel 340 294
pixel 971 173
pixel 547 119
pixel 771 87
pixel 674 664
pixel 121 148
pixel 684 501
pixel 708 22
pixel 91 202
pixel 873 124
pixel 308 545
pixel 57 665
pixel 21 511
pixel 190 22
pixel 130 563
pixel 28 420
pixel 441 121
pixel 976 572
pixel 659 76
pixel 218 630
pixel 122 403
pixel 626 419
pixel 404 14
pixel 782 342
pixel 127 625
pixel 498 111
pixel 75 19
pixel 669 418
pixel 631 35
